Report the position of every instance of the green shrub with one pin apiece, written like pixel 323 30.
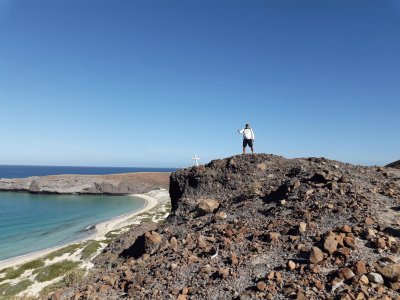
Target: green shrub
pixel 112 234
pixel 68 249
pixel 12 273
pixel 7 290
pixel 55 270
pixel 34 264
pixel 90 249
pixel 5 270
pixel 74 276
pixel 71 278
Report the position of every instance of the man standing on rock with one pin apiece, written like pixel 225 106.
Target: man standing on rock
pixel 248 138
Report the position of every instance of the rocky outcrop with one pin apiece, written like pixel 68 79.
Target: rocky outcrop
pixel 129 183
pixel 395 164
pixel 262 227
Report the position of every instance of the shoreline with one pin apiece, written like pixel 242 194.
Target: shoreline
pixel 101 229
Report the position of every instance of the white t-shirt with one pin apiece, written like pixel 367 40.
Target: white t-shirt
pixel 248 133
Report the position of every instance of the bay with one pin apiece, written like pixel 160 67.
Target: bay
pixel 33 222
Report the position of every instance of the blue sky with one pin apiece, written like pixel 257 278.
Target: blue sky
pixel 151 83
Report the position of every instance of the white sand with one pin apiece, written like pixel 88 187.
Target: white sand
pixel 151 200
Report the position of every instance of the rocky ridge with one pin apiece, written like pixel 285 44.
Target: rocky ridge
pixel 395 164
pixel 261 227
pixel 128 183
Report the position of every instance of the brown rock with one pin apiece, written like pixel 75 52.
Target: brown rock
pixel 152 241
pixel 347 273
pixel 138 279
pixel 302 227
pixel 330 244
pixel 77 295
pixel 223 272
pixel 229 233
pixel 185 291
pixel 364 280
pixel 108 279
pixel 104 288
pixel 201 243
pixel 346 229
pixel 360 267
pixel 309 192
pixel 128 274
pixel 173 243
pixel 345 251
pixel 370 233
pixel 221 215
pixel 395 286
pixel 261 286
pixel 208 205
pixel 291 265
pixel 206 269
pixel 262 166
pixel 380 243
pixel 278 277
pixel 360 296
pixel 349 241
pixel 316 255
pixel 296 184
pixel 234 259
pixel 181 297
pixel 391 272
pixel 300 296
pixel 271 275
pixel 273 236
pixel 369 221
pixel 319 285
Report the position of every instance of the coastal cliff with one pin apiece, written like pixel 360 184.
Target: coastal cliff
pixel 260 227
pixel 117 184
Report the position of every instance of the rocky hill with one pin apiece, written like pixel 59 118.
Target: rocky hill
pixel 395 164
pixel 261 227
pixel 128 183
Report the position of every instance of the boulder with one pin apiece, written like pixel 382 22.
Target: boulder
pixel 316 255
pixel 208 206
pixel 330 244
pixel 375 278
pixel 391 272
pixel 152 241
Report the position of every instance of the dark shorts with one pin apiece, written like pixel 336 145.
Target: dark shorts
pixel 247 142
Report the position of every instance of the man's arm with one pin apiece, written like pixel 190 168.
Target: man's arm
pixel 253 137
pixel 240 130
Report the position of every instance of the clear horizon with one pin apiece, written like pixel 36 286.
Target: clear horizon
pixel 150 83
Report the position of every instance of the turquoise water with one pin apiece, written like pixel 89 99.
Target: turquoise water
pixel 32 222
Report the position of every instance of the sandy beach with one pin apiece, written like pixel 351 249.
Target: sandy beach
pixel 151 200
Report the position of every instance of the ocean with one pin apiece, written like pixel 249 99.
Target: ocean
pixel 10 171
pixel 33 222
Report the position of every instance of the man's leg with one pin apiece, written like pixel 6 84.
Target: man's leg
pixel 252 150
pixel 244 150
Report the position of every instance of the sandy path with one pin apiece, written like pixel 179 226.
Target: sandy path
pixel 151 200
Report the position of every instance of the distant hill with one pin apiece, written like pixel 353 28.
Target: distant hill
pixel 395 164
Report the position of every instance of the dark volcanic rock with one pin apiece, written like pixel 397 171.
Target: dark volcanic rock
pixel 283 229
pixel 395 164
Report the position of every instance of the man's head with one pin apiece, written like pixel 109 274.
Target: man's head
pixel 247 125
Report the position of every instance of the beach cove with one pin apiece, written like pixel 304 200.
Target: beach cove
pixel 75 257
pixel 29 274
